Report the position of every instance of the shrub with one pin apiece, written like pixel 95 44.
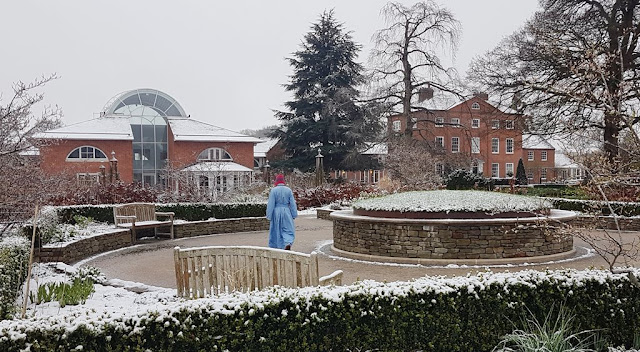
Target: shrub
pixel 431 314
pixel 464 179
pixel 14 260
pixel 110 193
pixel 72 294
pixel 327 194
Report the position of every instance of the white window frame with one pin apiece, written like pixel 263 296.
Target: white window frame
pixel 455 122
pixel 543 173
pixel 214 154
pixel 530 155
pixel 507 149
pixel 455 144
pixel 495 170
pixel 508 124
pixel 475 123
pixel 439 168
pixel 88 154
pixel 508 167
pixel 495 145
pixel 375 176
pixel 475 145
pixel 475 106
pixel 439 122
pixel 495 124
pixel 397 125
pixel 414 121
pixel 543 155
pixel 364 176
pixel 440 141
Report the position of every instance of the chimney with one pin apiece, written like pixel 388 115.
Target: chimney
pixel 481 95
pixel 425 93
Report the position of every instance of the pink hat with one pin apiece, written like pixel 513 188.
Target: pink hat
pixel 279 180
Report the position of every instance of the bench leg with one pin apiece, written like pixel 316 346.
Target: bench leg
pixel 133 235
pixel 172 231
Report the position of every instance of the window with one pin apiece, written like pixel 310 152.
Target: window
pixel 439 169
pixel 455 122
pixel 87 179
pixel 543 174
pixel 475 145
pixel 530 176
pixel 364 176
pixel 508 169
pixel 397 125
pixel 455 144
pixel 475 106
pixel 509 146
pixel 86 153
pixel 495 170
pixel 508 124
pixel 414 122
pixel 495 145
pixel 375 176
pixel 214 154
pixel 439 121
pixel 530 155
pixel 475 123
pixel 495 124
pixel 543 155
pixel 440 141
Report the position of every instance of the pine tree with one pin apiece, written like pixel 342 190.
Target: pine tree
pixel 324 114
pixel 521 174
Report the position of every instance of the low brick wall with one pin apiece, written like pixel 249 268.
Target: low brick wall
pixel 208 227
pixel 75 251
pixel 83 248
pixel 454 239
pixel 324 214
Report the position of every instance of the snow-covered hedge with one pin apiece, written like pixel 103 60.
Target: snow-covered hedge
pixel 184 211
pixel 597 207
pixel 14 259
pixel 431 314
pixel 448 200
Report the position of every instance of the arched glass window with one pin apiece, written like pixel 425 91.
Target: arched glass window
pixel 475 106
pixel 214 154
pixel 87 153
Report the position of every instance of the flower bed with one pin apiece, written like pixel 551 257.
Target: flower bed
pixel 451 204
pixel 431 314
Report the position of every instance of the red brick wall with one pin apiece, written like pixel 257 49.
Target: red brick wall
pixel 53 158
pixel 183 153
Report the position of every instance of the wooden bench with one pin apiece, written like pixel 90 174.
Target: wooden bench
pixel 205 271
pixel 137 216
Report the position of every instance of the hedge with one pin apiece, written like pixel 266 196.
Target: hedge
pixel 14 260
pixel 184 211
pixel 429 314
pixel 596 207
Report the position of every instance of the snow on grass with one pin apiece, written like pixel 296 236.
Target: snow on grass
pixel 448 201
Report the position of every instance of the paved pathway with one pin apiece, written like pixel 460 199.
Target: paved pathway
pixel 152 263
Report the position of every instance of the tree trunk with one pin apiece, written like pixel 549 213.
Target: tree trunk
pixel 611 147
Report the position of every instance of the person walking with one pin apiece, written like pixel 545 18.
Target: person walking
pixel 281 210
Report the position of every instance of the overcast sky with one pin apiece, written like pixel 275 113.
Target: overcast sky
pixel 223 61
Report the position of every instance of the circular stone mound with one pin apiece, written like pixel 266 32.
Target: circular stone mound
pixel 461 225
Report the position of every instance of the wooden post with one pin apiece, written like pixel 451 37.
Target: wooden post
pixel 33 241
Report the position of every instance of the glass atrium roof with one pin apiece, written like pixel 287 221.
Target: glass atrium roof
pixel 143 102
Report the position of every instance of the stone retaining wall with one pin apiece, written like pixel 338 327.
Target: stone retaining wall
pixel 75 251
pixel 607 222
pixel 324 213
pixel 454 240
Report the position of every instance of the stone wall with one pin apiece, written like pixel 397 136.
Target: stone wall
pixel 607 222
pixel 324 213
pixel 208 227
pixel 454 240
pixel 75 251
pixel 83 248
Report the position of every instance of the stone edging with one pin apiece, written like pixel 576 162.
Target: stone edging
pixel 72 252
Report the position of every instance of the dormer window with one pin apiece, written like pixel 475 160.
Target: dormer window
pixel 214 154
pixel 439 121
pixel 87 153
pixel 475 106
pixel 455 122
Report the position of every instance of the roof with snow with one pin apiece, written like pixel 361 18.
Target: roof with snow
pixel 563 161
pixel 261 149
pixel 444 101
pixel 103 128
pixel 534 141
pixel 186 129
pixel 143 102
pixel 375 149
pixel 217 166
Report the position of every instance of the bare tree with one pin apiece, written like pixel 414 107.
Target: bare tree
pixel 574 65
pixel 407 54
pixel 21 183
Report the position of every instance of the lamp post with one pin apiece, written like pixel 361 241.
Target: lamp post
pixel 266 171
pixel 319 169
pixel 114 175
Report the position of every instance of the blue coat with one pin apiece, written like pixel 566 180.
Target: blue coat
pixel 281 210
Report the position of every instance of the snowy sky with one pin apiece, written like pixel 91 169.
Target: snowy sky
pixel 224 61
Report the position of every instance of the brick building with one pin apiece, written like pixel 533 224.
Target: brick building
pixel 148 131
pixel 491 140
